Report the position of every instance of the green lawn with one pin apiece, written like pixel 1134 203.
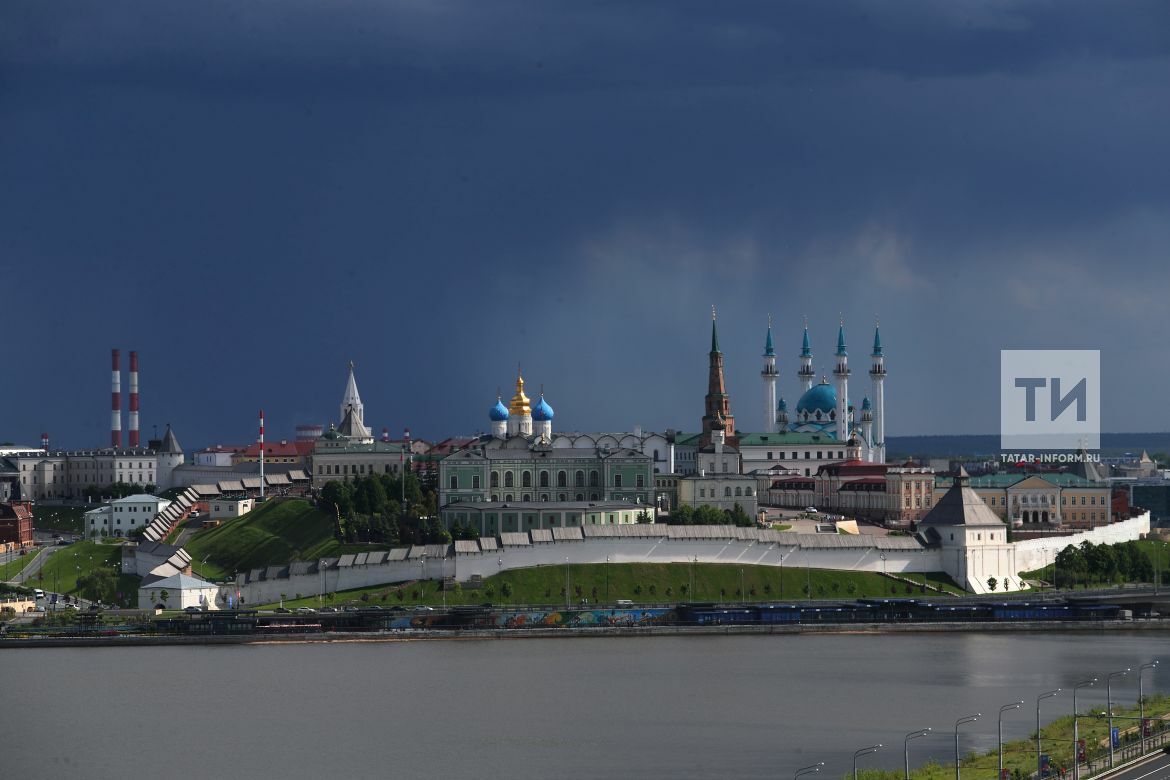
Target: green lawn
pixel 60 518
pixel 646 583
pixel 62 569
pixel 14 567
pixel 278 532
pixel 1056 739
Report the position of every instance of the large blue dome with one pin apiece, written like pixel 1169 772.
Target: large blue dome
pixel 499 412
pixel 822 398
pixel 542 412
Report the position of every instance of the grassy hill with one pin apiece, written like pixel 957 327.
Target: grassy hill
pixel 67 564
pixel 642 583
pixel 279 532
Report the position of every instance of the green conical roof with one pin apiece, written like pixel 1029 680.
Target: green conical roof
pixel 805 351
pixel 841 340
pixel 877 342
pixel 768 350
pixel 714 336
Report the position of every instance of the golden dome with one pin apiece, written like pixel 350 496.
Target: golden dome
pixel 520 403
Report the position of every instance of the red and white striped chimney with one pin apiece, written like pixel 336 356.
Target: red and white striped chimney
pixel 261 454
pixel 133 399
pixel 45 442
pixel 116 402
pixel 385 434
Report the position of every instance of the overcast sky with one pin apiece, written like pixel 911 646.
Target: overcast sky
pixel 253 193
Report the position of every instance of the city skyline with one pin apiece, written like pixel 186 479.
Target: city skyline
pixel 439 192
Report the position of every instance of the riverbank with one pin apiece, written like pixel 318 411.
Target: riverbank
pixel 414 635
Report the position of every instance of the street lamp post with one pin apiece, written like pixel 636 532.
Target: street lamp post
pixel 863 752
pixel 1002 710
pixel 607 579
pixel 742 590
pixel 960 722
pixel 1109 706
pixel 1039 699
pixel 906 747
pixel 1142 702
pixel 808 770
pixel 566 582
pixel 1076 724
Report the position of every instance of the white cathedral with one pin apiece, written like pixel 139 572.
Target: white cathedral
pixel 826 407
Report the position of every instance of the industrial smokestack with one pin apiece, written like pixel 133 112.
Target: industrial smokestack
pixel 45 442
pixel 261 454
pixel 116 402
pixel 133 399
pixel 385 434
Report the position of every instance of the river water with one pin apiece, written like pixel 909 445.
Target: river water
pixel 648 707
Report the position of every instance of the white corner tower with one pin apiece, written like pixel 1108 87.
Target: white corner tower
pixel 877 373
pixel 841 379
pixel 806 373
pixel 769 374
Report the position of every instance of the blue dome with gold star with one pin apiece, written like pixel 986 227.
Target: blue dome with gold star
pixel 541 411
pixel 499 412
pixel 819 398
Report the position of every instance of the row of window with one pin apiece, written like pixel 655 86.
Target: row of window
pixel 355 469
pixel 562 479
pixel 821 455
pixel 726 492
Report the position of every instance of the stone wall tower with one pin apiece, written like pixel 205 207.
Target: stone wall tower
pixel 717 405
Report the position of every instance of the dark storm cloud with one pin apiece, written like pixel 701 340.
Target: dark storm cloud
pixel 439 190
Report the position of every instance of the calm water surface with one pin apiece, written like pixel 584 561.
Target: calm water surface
pixel 695 707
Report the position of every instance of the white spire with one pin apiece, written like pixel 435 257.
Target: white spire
pixel 351 399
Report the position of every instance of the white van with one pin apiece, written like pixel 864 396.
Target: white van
pixel 38 593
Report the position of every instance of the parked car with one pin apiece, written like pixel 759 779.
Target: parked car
pixel 812 510
pixel 306 611
pixel 192 610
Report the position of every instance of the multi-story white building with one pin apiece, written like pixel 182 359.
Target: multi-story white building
pixel 123 515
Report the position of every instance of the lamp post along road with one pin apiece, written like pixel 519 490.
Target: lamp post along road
pixel 863 752
pixel 1109 706
pixel 906 747
pixel 1076 724
pixel 960 722
pixel 1142 701
pixel 1002 710
pixel 808 770
pixel 1039 699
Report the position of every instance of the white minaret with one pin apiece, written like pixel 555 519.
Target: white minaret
pixel 770 375
pixel 867 430
pixel 841 378
pixel 877 373
pixel 806 373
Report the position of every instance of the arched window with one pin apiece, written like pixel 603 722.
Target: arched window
pixel 617 480
pixel 593 479
pixel 727 492
pixel 454 481
pixel 562 479
pixel 507 496
pixel 475 482
pixel 738 492
pixel 579 480
pixel 544 479
pixel 747 491
pixel 656 455
pixel 526 478
pixel 509 479
pixel 495 479
pixel 580 496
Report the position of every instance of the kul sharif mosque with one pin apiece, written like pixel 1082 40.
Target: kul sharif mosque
pixel 825 407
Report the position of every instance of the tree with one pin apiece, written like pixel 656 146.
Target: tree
pixel 991 583
pixel 506 590
pixel 98 585
pixel 644 517
pixel 683 515
pixel 164 596
pixel 739 518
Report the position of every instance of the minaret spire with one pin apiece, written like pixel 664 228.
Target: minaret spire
pixel 841 379
pixel 770 376
pixel 877 374
pixel 806 373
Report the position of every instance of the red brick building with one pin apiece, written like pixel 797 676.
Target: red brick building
pixel 16 523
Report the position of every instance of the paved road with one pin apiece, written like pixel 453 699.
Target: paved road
pixel 1155 768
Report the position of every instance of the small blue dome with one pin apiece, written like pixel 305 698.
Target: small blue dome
pixel 822 397
pixel 783 405
pixel 865 403
pixel 499 412
pixel 541 411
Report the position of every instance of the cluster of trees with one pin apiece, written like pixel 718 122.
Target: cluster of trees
pixel 709 515
pixel 98 585
pixel 1102 563
pixel 370 509
pixel 118 490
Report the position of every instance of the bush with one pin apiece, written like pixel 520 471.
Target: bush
pixel 365 597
